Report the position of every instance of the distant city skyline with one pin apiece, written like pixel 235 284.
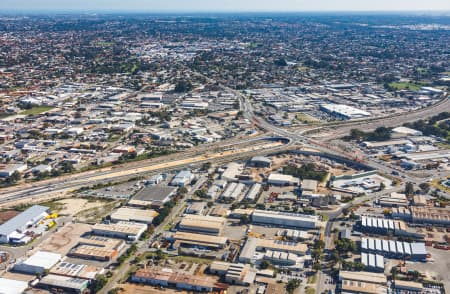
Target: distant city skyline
pixel 224 5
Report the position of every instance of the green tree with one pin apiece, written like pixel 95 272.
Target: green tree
pixel 292 285
pixel 425 187
pixel 409 189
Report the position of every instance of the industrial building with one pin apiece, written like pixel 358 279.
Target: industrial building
pixel 282 180
pixel 362 282
pixel 285 219
pixel 240 274
pixel 202 224
pixel 344 112
pixel 281 258
pixel 394 200
pixel 249 251
pixel 9 286
pixel 260 162
pixel 253 193
pixel 123 230
pixel 38 263
pixel 128 214
pixel 394 249
pixel 199 240
pixel 62 283
pixel 233 191
pixel 309 186
pixel 167 278
pixel 382 226
pixel 431 216
pixel 182 178
pixel 196 208
pixel 13 230
pixel 373 262
pixel 73 270
pixel 155 196
pixel 97 248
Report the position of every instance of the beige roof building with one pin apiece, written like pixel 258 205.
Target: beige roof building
pixel 201 223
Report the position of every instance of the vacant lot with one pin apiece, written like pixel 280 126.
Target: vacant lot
pixel 73 206
pixel 65 238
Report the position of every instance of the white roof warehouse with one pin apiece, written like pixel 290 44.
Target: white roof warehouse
pixel 22 221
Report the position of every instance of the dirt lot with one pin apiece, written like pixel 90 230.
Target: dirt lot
pixel 7 215
pixel 65 238
pixel 72 206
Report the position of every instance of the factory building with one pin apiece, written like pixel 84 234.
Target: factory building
pixel 233 191
pixel 62 283
pixel 199 240
pixel 123 230
pixel 430 216
pixel 362 282
pixel 253 192
pixel 97 248
pixel 260 162
pixel 38 263
pixel 167 278
pixel 281 258
pixel 12 230
pixel 9 286
pixel 344 112
pixel 202 224
pixel 373 262
pixel 382 226
pixel 249 251
pixel 183 178
pixel 129 214
pixel 73 270
pixel 285 219
pixel 394 249
pixel 394 200
pixel 282 180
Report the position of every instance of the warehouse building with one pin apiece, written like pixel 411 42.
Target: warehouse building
pixel 38 263
pixel 394 249
pixel 12 230
pixel 373 262
pixel 155 196
pixel 260 162
pixel 202 224
pixel 382 226
pixel 73 270
pixel 128 214
pixel 124 230
pixel 167 278
pixel 252 245
pixel 199 240
pixel 97 248
pixel 409 287
pixel 253 193
pixel 8 286
pixel 362 282
pixel 281 258
pixel 394 200
pixel 285 219
pixel 233 191
pixel 196 208
pixel 66 284
pixel 309 186
pixel 344 112
pixel 282 180
pixel 183 178
pixel 431 216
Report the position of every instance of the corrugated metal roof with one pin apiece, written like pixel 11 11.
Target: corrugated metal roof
pixel 22 219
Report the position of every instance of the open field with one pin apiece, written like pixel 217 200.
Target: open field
pixel 36 110
pixel 65 238
pixel 406 86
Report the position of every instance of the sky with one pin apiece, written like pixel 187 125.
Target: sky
pixel 225 5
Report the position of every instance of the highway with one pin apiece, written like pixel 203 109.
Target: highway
pixel 57 187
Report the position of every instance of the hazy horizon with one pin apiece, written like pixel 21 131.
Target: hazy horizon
pixel 205 6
